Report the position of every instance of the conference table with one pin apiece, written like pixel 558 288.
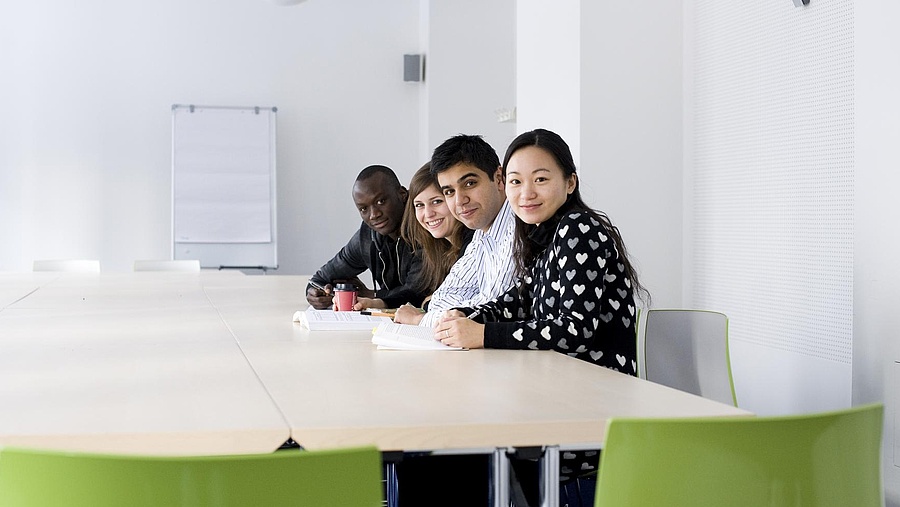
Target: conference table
pixel 173 363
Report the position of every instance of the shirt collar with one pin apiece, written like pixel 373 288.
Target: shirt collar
pixel 500 227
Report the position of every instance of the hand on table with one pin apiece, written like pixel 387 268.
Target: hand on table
pixel 455 330
pixel 363 303
pixel 408 314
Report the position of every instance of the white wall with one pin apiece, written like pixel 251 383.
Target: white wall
pixel 607 77
pixel 85 141
pixel 631 132
pixel 770 219
pixel 548 71
pixel 874 238
pixel 876 320
pixel 470 70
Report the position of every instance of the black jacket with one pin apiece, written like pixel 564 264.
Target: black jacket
pixel 394 266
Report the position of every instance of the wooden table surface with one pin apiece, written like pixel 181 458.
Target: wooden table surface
pixel 211 363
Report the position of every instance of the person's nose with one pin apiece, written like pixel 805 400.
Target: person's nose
pixel 374 212
pixel 527 191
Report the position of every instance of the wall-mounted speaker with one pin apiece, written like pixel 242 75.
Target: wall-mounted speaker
pixel 413 68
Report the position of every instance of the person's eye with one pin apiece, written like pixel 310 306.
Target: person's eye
pixel 448 192
pixel 418 205
pixel 437 202
pixel 380 202
pixel 513 182
pixel 362 210
pixel 540 179
pixel 471 183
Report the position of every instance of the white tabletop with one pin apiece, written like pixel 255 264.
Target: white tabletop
pixel 211 363
pixel 129 363
pixel 15 286
pixel 337 390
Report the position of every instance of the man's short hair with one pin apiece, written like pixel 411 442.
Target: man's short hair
pixel 465 149
pixel 372 170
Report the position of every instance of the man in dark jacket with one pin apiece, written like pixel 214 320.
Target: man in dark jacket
pixel 377 246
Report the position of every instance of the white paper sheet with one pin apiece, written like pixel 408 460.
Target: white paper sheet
pixel 223 176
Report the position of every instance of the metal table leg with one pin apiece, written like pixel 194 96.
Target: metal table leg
pixel 550 476
pixel 500 478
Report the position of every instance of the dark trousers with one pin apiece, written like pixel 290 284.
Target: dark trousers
pixel 526 480
pixel 451 480
pixel 463 480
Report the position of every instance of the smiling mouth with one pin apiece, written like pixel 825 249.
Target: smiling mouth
pixel 433 224
pixel 379 225
pixel 466 213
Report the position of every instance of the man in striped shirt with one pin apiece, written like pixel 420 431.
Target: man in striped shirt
pixel 469 174
pixel 471 179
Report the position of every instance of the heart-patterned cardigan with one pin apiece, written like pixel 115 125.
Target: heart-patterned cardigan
pixel 576 300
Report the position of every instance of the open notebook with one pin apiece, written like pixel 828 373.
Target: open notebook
pixel 389 335
pixel 330 320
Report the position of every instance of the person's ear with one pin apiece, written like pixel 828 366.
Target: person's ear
pixel 571 183
pixel 498 177
pixel 404 194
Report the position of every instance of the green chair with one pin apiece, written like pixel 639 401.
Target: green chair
pixel 822 460
pixel 350 477
pixel 688 350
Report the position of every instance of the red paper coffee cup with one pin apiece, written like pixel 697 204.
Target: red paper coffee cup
pixel 345 297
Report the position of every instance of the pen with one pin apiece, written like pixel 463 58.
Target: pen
pixel 391 311
pixel 318 286
pixel 376 314
pixel 473 314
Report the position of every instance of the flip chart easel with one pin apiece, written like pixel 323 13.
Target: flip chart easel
pixel 223 186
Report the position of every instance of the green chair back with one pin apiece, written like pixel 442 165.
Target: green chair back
pixel 820 460
pixel 349 477
pixel 688 350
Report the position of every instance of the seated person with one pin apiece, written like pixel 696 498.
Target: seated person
pixel 576 285
pixel 469 174
pixel 432 230
pixel 376 246
pixel 469 177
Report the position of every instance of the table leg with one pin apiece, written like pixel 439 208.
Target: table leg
pixel 500 478
pixel 550 476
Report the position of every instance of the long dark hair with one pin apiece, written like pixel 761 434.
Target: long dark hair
pixel 525 251
pixel 438 255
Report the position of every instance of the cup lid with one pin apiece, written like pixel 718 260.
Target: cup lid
pixel 345 286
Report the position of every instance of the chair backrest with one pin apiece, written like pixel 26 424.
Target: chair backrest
pixel 69 265
pixel 638 344
pixel 180 265
pixel 822 460
pixel 688 350
pixel 350 477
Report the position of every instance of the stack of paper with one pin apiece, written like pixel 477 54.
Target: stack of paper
pixel 389 335
pixel 330 320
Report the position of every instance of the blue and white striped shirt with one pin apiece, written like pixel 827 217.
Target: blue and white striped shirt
pixel 483 272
